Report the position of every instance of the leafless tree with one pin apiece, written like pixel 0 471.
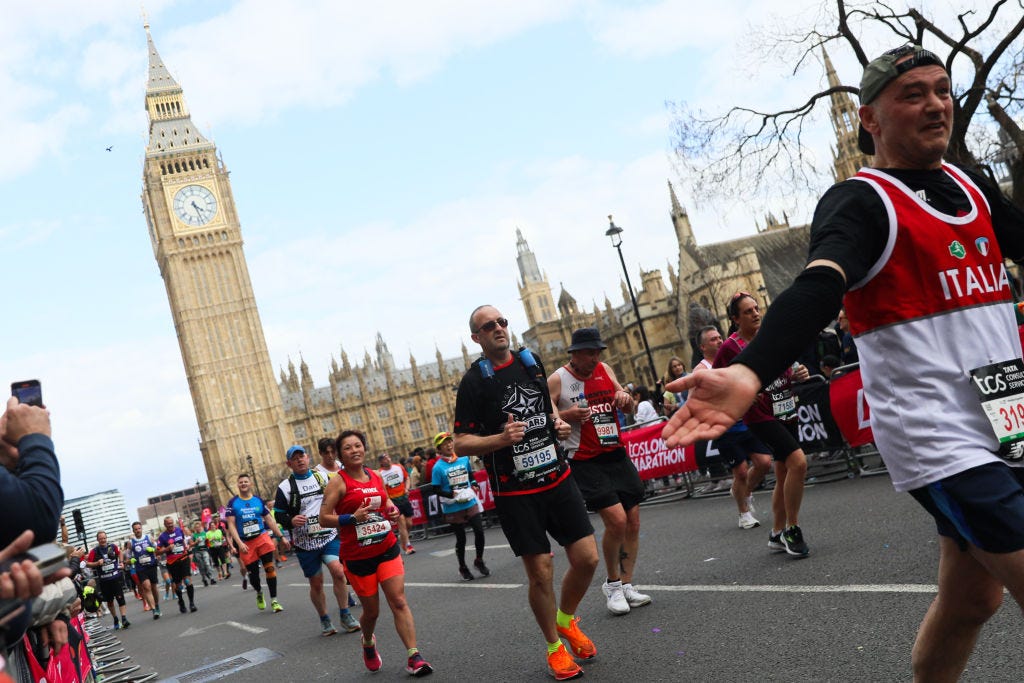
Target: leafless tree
pixel 745 147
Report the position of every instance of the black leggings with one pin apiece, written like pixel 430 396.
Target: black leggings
pixel 476 521
pixel 267 560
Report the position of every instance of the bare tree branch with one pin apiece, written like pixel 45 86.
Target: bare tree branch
pixel 753 149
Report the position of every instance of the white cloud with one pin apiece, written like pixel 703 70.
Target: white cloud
pixel 650 29
pixel 317 54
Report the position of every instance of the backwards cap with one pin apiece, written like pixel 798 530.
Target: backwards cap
pixel 883 70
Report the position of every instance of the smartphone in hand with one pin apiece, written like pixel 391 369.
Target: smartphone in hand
pixel 28 391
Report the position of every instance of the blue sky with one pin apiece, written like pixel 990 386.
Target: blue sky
pixel 382 156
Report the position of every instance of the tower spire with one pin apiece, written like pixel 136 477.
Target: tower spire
pixel 170 125
pixel 677 208
pixel 847 157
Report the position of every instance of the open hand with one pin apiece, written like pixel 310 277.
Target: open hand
pixel 717 399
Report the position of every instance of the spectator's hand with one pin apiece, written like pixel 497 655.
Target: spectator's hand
pixel 717 399
pixel 21 420
pixel 55 634
pixel 23 580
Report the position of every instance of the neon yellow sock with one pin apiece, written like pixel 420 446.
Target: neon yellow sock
pixel 413 650
pixel 553 647
pixel 564 620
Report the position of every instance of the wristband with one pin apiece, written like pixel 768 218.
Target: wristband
pixel 346 520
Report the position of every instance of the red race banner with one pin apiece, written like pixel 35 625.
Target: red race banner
pixel 850 409
pixel 653 459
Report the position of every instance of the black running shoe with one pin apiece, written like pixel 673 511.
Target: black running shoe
pixel 466 574
pixel 481 567
pixel 793 539
pixel 775 542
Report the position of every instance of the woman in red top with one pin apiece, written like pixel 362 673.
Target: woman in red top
pixel 357 502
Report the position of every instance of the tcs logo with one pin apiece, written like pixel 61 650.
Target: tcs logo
pixel 991 384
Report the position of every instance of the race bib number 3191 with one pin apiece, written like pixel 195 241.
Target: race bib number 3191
pixel 1000 387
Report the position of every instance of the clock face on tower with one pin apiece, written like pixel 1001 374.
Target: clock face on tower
pixel 195 205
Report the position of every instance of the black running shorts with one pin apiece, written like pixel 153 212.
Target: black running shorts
pixel 735 447
pixel 404 506
pixel 982 506
pixel 608 479
pixel 180 570
pixel 146 573
pixel 111 589
pixel 776 435
pixel 528 519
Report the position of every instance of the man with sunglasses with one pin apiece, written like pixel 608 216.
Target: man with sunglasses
pixel 504 414
pixel 914 247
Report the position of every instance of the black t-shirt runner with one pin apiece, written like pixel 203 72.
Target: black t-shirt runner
pixel 851 227
pixel 482 407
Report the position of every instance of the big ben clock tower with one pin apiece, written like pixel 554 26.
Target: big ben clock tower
pixel 197 242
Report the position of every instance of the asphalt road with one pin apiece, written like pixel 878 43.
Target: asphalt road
pixel 724 607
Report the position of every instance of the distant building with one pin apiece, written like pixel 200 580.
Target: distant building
pixel 186 504
pixel 104 511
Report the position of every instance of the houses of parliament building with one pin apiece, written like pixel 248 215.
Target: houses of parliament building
pixel 247 417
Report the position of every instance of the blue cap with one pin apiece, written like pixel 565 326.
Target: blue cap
pixel 293 450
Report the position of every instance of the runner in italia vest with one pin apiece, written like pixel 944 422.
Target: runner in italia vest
pixel 954 314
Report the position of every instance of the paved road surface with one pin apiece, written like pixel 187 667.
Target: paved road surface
pixel 724 609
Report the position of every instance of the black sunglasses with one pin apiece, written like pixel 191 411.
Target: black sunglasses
pixel 490 326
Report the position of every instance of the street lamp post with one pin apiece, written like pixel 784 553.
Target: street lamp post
pixel 615 233
pixel 199 498
pixel 255 479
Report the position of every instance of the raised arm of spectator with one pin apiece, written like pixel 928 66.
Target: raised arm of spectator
pixel 30 479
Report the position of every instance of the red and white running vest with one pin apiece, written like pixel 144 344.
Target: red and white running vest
pixel 600 433
pixel 936 305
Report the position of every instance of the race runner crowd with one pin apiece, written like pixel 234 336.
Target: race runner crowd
pixel 906 258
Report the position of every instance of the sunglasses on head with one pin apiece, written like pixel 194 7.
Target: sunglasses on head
pixel 490 326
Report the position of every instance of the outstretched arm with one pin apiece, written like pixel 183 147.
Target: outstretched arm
pixel 721 396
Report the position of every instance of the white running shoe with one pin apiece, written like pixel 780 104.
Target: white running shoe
pixel 747 521
pixel 634 597
pixel 616 599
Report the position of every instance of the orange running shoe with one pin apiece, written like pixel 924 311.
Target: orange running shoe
pixel 562 666
pixel 582 646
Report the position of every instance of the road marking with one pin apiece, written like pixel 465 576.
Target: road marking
pixel 851 588
pixel 465 584
pixel 720 588
pixel 194 631
pixel 451 551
